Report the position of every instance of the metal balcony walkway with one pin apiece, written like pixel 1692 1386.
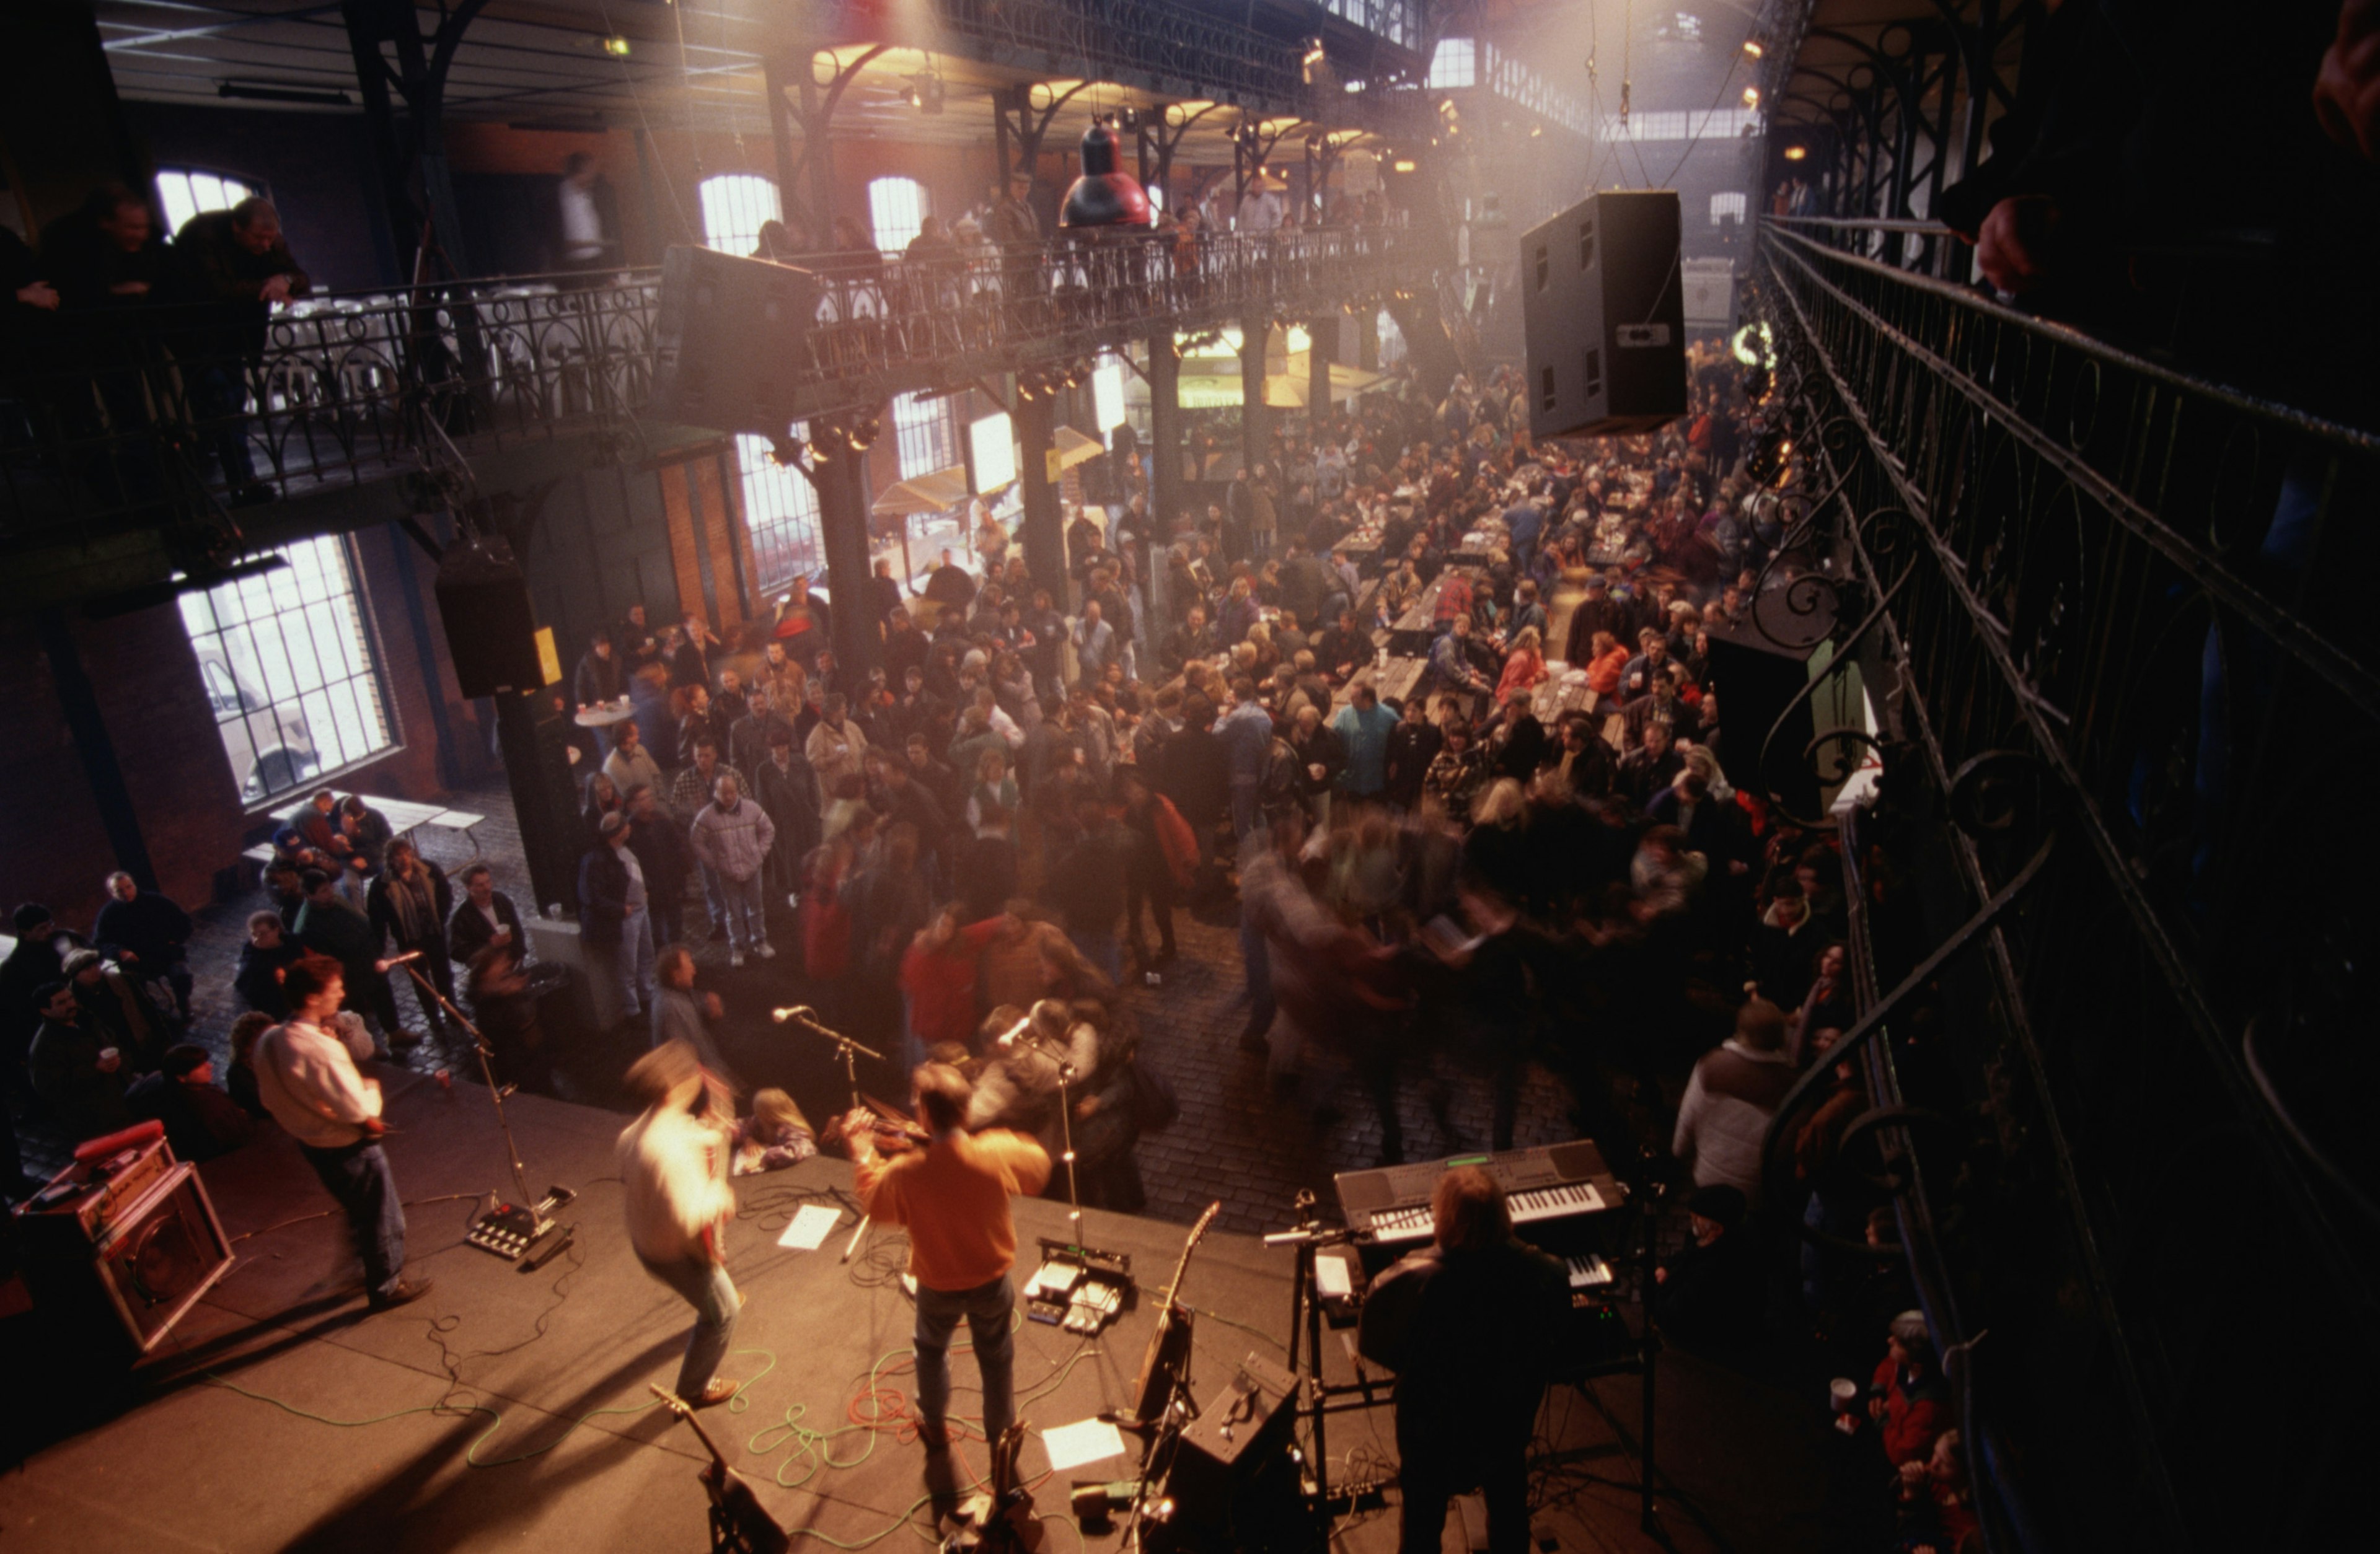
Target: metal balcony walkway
pixel 361 408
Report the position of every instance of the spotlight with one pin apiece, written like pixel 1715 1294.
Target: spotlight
pixel 924 93
pixel 1752 97
pixel 1751 47
pixel 1536 131
pixel 1795 153
pixel 865 433
pixel 1401 165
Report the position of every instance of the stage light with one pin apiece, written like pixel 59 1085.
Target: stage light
pixel 1401 165
pixel 1536 131
pixel 617 47
pixel 924 93
pixel 1751 47
pixel 864 433
pixel 1795 153
pixel 1752 97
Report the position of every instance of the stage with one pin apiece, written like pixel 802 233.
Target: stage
pixel 510 1409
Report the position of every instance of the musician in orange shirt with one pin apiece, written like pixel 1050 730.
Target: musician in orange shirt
pixel 952 1197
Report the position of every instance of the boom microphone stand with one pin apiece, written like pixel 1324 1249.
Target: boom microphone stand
pixel 804 1016
pixel 507 1230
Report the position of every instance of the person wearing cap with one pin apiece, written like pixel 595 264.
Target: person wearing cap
pixel 1599 612
pixel 615 916
pixel 1710 1292
pixel 201 1121
pixel 121 1006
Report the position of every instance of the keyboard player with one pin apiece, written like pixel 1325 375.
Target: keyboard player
pixel 1469 1324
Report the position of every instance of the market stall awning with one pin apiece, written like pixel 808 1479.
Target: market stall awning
pixel 937 493
pixel 1075 447
pixel 1283 391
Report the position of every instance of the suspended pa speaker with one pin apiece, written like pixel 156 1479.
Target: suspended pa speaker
pixel 1604 306
pixel 491 625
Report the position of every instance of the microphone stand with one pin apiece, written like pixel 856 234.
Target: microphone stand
pixel 852 1052
pixel 534 1209
pixel 1036 1041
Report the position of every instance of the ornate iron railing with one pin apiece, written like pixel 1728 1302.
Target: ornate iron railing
pixel 127 416
pixel 2111 620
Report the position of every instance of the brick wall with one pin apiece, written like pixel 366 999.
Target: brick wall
pixel 146 678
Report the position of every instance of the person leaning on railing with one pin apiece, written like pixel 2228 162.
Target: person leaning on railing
pixel 235 265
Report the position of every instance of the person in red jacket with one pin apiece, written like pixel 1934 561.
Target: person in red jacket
pixel 938 977
pixel 1906 1397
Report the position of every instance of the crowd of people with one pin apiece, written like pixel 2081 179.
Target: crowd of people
pixel 973 851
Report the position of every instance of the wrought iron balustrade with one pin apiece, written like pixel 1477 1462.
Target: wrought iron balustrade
pixel 2115 622
pixel 114 422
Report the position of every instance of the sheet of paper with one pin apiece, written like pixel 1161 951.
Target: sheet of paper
pixel 808 1231
pixel 1330 1277
pixel 1087 1440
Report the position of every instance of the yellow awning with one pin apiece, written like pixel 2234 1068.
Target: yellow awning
pixel 1075 447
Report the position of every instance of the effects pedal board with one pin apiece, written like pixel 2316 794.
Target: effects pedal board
pixel 509 1232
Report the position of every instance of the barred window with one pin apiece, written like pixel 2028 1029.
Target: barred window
pixel 285 659
pixel 896 209
pixel 926 434
pixel 782 512
pixel 734 207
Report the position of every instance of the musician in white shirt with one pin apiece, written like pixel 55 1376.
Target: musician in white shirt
pixel 305 1076
pixel 673 1173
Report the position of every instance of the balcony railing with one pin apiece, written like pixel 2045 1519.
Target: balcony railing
pixel 127 416
pixel 2116 625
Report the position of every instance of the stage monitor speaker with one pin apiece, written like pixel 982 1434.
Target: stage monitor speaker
pixel 732 341
pixel 491 626
pixel 1233 1468
pixel 1603 308
pixel 1753 679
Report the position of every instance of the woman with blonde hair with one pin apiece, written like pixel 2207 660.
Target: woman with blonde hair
pixel 993 787
pixel 1525 667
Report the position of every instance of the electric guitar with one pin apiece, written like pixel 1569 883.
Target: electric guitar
pixel 1169 1346
pixel 739 1523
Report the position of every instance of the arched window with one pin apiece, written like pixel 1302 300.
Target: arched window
pixel 1727 207
pixel 186 191
pixel 896 207
pixel 734 207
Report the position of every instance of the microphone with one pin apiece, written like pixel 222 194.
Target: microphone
pixel 799 1012
pixel 1014 1032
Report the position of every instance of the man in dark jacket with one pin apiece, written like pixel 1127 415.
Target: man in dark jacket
pixel 484 915
pixel 237 263
pixel 147 931
pixel 77 1065
pixel 660 846
pixel 268 953
pixel 1470 1327
pixel 601 676
pixel 38 959
pixel 613 919
pixel 409 905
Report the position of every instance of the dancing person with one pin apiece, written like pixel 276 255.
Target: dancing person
pixel 674 1172
pixel 952 1195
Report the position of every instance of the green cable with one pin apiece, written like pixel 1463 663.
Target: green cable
pixel 1233 1322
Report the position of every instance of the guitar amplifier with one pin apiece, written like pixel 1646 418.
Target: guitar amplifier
pixel 154 1254
pixel 109 1176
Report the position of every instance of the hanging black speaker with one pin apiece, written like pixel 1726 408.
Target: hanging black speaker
pixel 491 626
pixel 1604 312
